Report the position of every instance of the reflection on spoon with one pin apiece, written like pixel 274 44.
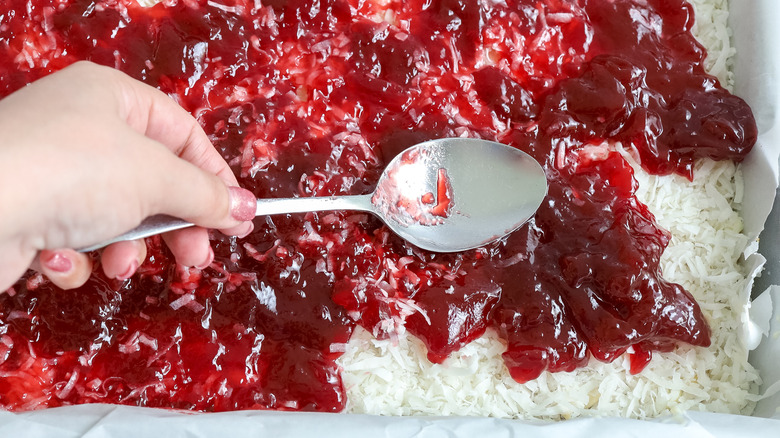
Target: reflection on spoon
pixel 404 193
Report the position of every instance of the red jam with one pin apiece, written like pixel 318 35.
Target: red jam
pixel 443 201
pixel 314 97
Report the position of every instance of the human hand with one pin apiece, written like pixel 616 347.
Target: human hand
pixel 86 154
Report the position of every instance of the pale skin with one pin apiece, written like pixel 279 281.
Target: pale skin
pixel 85 155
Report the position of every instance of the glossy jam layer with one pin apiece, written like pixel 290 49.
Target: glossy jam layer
pixel 314 97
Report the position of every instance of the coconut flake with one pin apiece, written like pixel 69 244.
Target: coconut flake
pixel 182 301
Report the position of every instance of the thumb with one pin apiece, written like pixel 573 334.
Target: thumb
pixel 179 188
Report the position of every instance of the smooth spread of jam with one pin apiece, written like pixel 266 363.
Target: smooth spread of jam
pixel 314 97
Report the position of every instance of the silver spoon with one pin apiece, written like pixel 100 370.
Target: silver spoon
pixel 445 195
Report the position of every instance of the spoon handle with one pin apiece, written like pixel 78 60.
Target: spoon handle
pixel 162 223
pixel 319 203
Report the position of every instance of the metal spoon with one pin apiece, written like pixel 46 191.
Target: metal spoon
pixel 444 195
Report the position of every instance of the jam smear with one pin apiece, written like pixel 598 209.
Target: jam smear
pixel 314 98
pixel 443 202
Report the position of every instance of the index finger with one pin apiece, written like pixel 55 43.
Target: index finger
pixel 152 113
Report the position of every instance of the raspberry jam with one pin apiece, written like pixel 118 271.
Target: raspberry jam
pixel 314 97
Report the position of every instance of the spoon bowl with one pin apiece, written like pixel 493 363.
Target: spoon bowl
pixel 454 194
pixel 444 195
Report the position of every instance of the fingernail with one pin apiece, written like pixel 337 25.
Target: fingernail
pixel 248 231
pixel 129 272
pixel 208 261
pixel 243 204
pixel 57 262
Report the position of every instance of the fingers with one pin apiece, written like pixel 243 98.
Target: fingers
pixel 66 268
pixel 69 269
pixel 120 260
pixel 148 156
pixel 240 231
pixel 176 187
pixel 190 247
pixel 190 190
pixel 153 114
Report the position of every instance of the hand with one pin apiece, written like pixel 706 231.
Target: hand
pixel 86 154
